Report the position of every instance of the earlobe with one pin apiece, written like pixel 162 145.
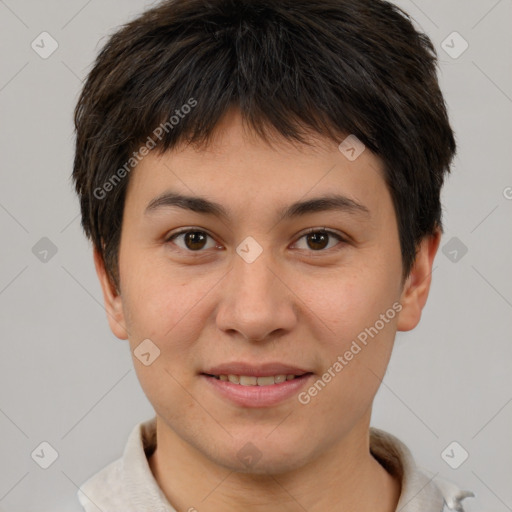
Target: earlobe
pixel 417 286
pixel 112 299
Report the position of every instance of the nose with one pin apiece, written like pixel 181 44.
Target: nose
pixel 256 302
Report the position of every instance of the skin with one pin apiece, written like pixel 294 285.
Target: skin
pixel 297 303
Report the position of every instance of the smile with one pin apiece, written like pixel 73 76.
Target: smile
pixel 250 380
pixel 250 391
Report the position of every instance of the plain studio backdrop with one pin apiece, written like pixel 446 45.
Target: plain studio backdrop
pixel 67 381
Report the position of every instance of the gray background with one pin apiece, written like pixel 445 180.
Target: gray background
pixel 65 379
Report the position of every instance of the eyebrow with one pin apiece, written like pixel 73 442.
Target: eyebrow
pixel 205 206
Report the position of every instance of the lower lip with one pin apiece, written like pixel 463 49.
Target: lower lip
pixel 258 396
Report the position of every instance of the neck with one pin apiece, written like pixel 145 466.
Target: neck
pixel 346 478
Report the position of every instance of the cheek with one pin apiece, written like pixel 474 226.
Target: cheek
pixel 346 302
pixel 358 312
pixel 169 307
pixel 165 308
pixel 156 296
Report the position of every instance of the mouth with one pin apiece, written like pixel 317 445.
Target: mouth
pixel 256 387
pixel 251 380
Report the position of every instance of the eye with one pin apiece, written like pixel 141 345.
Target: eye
pixel 193 240
pixel 319 239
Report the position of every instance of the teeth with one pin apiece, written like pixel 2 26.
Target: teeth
pixel 267 381
pixel 249 380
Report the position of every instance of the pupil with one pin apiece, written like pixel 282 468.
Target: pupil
pixel 318 238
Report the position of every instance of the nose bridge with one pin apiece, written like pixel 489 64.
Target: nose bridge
pixel 255 302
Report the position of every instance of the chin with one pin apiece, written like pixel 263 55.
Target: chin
pixel 258 455
pixel 269 464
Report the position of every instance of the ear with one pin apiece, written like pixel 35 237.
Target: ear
pixel 417 286
pixel 112 299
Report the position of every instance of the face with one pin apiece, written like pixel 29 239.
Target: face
pixel 262 289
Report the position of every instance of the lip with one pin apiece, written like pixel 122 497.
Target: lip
pixel 257 396
pixel 251 370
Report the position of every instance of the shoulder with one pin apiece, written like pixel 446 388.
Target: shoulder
pixel 419 492
pixel 110 488
pixel 104 490
pixel 452 494
pixel 127 482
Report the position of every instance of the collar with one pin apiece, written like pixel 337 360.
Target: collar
pixel 419 492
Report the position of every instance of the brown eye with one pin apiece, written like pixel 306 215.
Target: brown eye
pixel 320 240
pixel 194 240
pixel 191 240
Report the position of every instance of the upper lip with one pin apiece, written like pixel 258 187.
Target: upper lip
pixel 260 370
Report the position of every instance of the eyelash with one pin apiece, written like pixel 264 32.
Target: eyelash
pixel 329 232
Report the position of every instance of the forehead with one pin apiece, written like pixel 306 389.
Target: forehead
pixel 241 169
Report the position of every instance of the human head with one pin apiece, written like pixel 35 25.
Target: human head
pixel 334 67
pixel 245 103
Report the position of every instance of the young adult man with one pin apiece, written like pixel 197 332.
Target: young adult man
pixel 261 182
